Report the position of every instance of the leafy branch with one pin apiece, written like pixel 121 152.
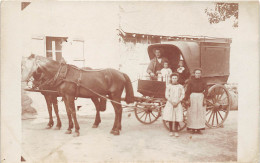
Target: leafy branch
pixel 221 12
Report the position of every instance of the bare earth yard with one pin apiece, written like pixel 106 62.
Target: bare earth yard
pixel 137 142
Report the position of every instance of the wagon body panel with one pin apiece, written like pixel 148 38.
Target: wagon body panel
pixel 151 88
pixel 215 61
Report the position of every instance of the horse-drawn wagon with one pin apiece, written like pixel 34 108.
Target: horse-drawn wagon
pixel 212 56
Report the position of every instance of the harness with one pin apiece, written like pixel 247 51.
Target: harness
pixel 61 76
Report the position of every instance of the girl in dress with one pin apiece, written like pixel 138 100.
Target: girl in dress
pixel 173 111
pixel 195 94
pixel 166 72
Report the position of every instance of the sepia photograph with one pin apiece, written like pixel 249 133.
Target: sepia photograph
pixel 162 81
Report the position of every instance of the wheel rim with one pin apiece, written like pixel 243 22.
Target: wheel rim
pixel 218 106
pixel 182 125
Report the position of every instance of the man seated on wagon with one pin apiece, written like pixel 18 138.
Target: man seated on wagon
pixel 156 64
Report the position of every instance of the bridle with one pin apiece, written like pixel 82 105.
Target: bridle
pixel 37 65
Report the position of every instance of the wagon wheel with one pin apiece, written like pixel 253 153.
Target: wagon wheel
pixel 182 125
pixel 218 106
pixel 147 113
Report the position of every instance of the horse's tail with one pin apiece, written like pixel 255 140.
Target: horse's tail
pixel 129 92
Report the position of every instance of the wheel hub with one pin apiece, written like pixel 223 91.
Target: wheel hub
pixel 217 106
pixel 149 109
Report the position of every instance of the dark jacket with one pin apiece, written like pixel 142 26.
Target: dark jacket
pixel 153 67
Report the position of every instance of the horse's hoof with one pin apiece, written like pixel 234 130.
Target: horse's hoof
pixel 48 127
pixel 114 132
pixel 57 128
pixel 76 134
pixel 68 132
pixel 95 126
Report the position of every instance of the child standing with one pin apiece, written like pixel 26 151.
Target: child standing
pixel 173 111
pixel 166 72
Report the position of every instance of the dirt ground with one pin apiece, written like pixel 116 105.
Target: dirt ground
pixel 137 142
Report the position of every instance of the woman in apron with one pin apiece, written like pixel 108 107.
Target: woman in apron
pixel 196 93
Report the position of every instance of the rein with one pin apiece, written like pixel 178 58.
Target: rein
pixel 104 97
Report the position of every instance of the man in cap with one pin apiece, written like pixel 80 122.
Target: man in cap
pixel 156 64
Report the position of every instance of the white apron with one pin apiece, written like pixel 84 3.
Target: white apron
pixel 196 114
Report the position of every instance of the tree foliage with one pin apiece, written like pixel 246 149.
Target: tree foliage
pixel 223 11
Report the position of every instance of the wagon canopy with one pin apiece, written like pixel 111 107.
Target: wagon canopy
pixel 188 50
pixel 212 57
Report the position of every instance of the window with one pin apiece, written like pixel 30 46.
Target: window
pixel 54 47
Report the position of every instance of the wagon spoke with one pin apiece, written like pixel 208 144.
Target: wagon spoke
pixel 153 114
pixel 145 117
pixel 222 94
pixel 217 117
pixel 140 112
pixel 209 107
pixel 218 97
pixel 210 116
pixel 216 94
pixel 142 115
pixel 224 98
pixel 208 112
pixel 220 115
pixel 215 98
pixel 214 91
pixel 213 119
pixel 210 103
pixel 150 117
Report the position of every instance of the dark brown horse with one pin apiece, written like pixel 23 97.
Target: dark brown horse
pixel 50 98
pixel 41 82
pixel 73 82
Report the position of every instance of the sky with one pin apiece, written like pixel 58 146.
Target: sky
pixel 172 18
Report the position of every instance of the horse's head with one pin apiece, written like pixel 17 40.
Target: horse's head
pixel 35 64
pixel 29 66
